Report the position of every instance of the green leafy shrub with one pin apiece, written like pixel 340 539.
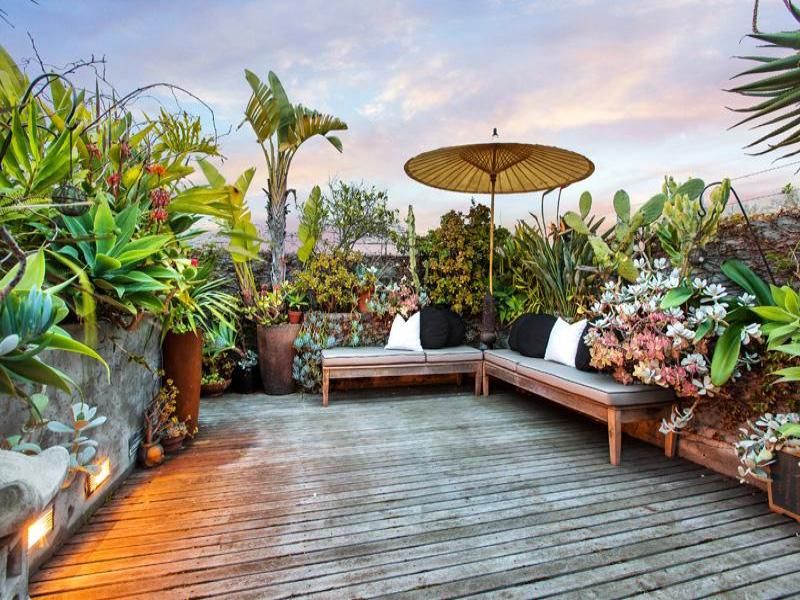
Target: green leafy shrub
pixel 330 281
pixel 456 259
pixel 354 212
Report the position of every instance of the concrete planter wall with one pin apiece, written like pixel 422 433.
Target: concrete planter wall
pixel 122 400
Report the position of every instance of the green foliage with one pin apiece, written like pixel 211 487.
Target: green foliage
pixel 319 332
pixel 330 281
pixel 82 449
pixel 613 249
pixel 29 317
pixel 281 128
pixel 775 84
pixel 545 269
pixel 411 239
pixel 313 215
pixel 683 227
pixel 355 212
pixel 456 259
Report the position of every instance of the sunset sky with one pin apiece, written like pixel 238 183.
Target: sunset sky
pixel 635 85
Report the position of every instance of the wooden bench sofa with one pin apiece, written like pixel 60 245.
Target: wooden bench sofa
pixel 594 394
pixel 350 363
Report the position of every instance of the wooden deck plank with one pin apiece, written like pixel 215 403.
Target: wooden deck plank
pixel 417 494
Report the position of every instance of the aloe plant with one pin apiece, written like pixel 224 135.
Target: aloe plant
pixel 29 317
pixel 113 267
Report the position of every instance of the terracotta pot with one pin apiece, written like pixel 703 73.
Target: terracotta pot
pixel 275 356
pixel 363 298
pixel 246 381
pixel 214 389
pixel 295 317
pixel 151 455
pixel 783 489
pixel 183 363
pixel 172 444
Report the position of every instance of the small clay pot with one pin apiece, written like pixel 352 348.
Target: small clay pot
pixel 172 444
pixel 295 317
pixel 363 298
pixel 151 454
pixel 212 390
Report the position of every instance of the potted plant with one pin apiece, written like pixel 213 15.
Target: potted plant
pixel 296 301
pixel 246 377
pixel 158 416
pixel 194 305
pixel 770 451
pixel 218 343
pixel 367 279
pixel 173 436
pixel 275 341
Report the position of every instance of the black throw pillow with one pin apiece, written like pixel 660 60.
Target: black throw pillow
pixel 433 328
pixel 530 334
pixel 456 330
pixel 582 356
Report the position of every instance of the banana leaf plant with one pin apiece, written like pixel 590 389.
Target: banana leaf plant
pixel 281 128
pixel 775 83
pixel 29 317
pixel 113 267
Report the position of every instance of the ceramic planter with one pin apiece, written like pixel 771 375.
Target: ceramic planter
pixel 783 489
pixel 183 363
pixel 172 444
pixel 275 356
pixel 246 381
pixel 363 298
pixel 151 454
pixel 295 317
pixel 217 388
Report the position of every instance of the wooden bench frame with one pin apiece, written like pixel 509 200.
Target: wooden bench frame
pixel 459 367
pixel 614 416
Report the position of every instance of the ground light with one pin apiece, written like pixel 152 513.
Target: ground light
pixel 40 527
pixel 95 481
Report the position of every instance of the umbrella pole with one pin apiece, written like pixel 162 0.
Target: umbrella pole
pixel 491 245
pixel 488 321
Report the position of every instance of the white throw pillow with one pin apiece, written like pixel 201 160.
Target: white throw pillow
pixel 563 342
pixel 405 334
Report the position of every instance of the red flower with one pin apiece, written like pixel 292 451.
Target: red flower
pixel 160 198
pixel 159 215
pixel 156 169
pixel 93 150
pixel 124 150
pixel 113 182
pixel 194 262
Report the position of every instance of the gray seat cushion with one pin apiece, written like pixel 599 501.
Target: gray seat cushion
pixel 370 355
pixel 502 358
pixel 458 353
pixel 600 387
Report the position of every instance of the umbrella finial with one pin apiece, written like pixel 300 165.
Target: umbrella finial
pixel 495 134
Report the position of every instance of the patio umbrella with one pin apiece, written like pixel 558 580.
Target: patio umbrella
pixel 498 168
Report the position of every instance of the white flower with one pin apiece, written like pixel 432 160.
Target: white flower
pixel 751 332
pixel 714 292
pixel 699 283
pixel 696 360
pixel 747 300
pixel 717 312
pixel 660 264
pixel 704 387
pixel 676 312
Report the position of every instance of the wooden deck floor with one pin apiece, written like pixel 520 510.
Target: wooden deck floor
pixel 422 494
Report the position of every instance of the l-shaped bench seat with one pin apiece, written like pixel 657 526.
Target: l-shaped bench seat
pixel 595 394
pixel 349 363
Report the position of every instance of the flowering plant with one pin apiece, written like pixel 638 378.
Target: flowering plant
pixel 175 429
pixel 267 308
pixel 660 330
pixel 758 445
pixel 396 299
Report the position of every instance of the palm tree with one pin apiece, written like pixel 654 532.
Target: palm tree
pixel 281 128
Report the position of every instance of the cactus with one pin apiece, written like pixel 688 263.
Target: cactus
pixel 411 232
pixel 614 248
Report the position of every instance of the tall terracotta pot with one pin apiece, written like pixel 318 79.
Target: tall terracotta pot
pixel 183 363
pixel 275 356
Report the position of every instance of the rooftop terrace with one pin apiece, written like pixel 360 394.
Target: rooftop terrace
pixel 388 493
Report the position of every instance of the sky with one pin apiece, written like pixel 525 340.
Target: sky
pixel 635 85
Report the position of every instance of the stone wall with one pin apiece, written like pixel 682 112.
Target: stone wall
pixel 122 400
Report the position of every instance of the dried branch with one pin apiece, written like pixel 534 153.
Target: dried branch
pixel 17 252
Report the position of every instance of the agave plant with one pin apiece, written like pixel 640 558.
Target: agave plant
pixel 281 128
pixel 777 87
pixel 29 317
pixel 113 267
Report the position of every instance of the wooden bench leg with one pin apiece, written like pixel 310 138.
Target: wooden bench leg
pixel 485 379
pixel 479 380
pixel 326 384
pixel 459 379
pixel 671 444
pixel 615 436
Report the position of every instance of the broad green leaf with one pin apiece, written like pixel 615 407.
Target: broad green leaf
pixel 677 296
pixel 585 204
pixel 574 221
pixel 773 313
pixel 622 206
pixel 746 278
pixel 726 355
pixel 104 228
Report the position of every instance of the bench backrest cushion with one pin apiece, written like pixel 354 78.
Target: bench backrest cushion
pixel 530 333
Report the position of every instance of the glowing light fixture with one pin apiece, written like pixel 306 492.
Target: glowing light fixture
pixel 40 527
pixel 95 481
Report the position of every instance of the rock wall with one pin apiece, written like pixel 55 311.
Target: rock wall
pixel 122 400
